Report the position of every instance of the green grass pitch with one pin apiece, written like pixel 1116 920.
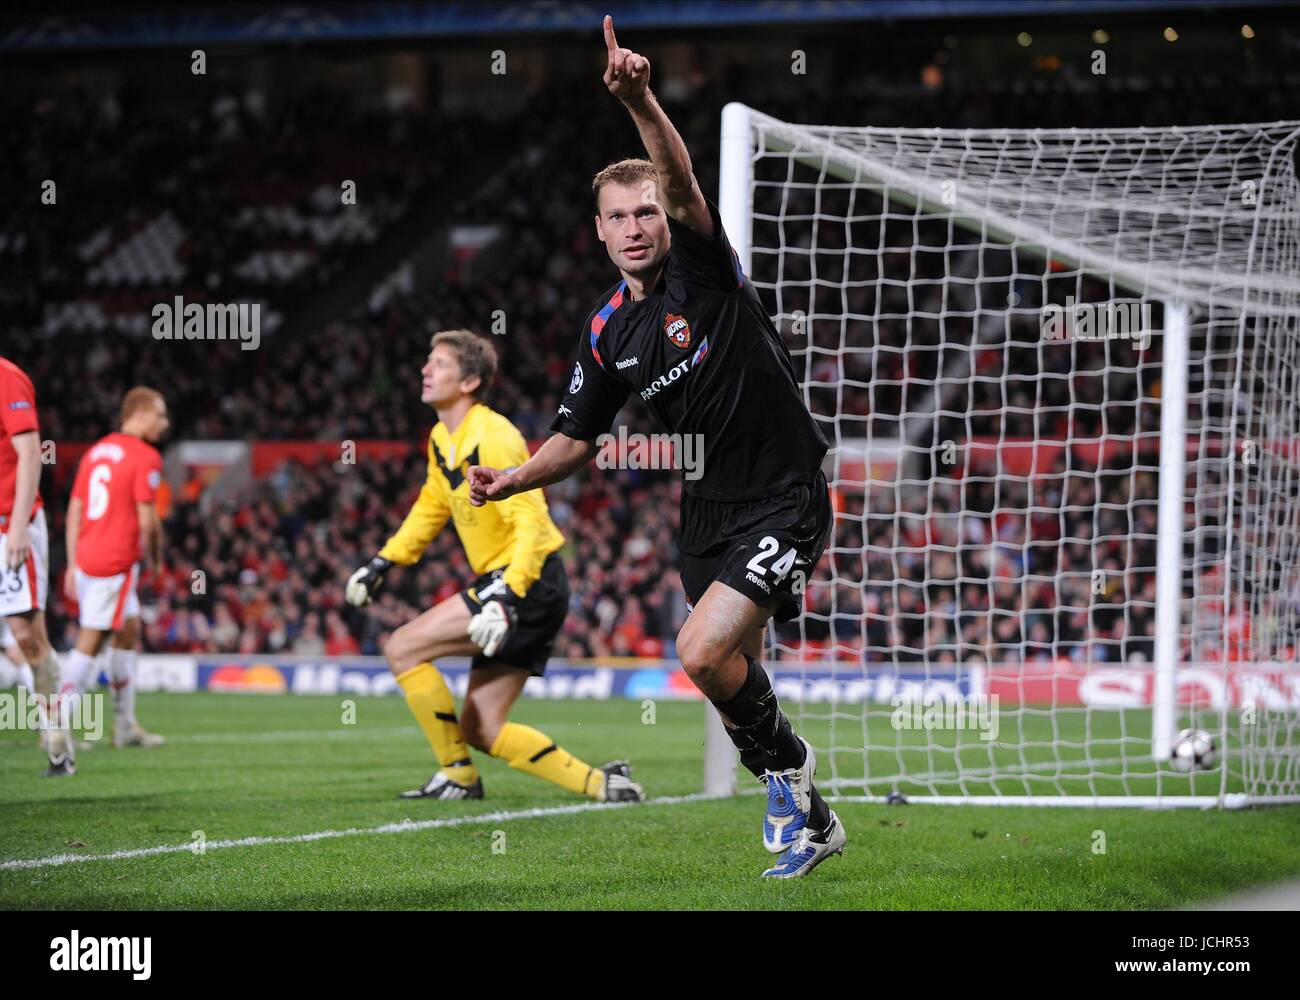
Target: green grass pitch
pixel 267 767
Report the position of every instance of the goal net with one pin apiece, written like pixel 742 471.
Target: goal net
pixel 1060 375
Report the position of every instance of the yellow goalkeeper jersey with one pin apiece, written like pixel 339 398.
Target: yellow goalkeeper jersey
pixel 516 533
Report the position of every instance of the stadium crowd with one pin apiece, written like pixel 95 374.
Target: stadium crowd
pixel 267 575
pixel 985 567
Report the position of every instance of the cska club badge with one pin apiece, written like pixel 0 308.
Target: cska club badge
pixel 677 330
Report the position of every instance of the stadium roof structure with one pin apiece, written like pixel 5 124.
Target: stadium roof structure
pixel 84 26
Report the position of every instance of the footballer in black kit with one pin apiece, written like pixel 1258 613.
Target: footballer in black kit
pixel 702 352
pixel 685 329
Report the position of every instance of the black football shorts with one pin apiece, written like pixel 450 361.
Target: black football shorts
pixel 766 548
pixel 540 614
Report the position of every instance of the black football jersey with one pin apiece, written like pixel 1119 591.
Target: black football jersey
pixel 704 355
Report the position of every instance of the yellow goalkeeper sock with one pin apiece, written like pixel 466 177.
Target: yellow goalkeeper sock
pixel 434 709
pixel 527 750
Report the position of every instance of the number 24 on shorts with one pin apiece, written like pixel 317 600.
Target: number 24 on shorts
pixel 767 548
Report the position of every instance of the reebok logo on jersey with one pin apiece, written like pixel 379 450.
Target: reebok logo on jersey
pixel 663 381
pixel 20 404
pixel 677 330
pixel 626 362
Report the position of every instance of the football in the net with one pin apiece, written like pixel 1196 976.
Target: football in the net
pixel 1194 750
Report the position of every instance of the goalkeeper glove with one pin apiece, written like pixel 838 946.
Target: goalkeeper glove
pixel 365 582
pixel 496 617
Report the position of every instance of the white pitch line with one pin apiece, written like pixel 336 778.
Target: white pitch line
pixel 994 771
pixel 406 826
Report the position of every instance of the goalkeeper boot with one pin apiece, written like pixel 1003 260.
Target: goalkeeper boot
pixel 810 849
pixel 442 787
pixel 789 800
pixel 619 786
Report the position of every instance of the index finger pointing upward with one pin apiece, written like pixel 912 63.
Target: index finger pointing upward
pixel 611 43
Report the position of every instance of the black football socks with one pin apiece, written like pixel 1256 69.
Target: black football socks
pixel 763 735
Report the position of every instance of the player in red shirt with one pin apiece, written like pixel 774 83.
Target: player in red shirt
pixel 24 546
pixel 113 526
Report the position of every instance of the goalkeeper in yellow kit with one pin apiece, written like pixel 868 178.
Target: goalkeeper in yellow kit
pixel 507 618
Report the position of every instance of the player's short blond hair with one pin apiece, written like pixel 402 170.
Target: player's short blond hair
pixel 627 172
pixel 474 354
pixel 137 399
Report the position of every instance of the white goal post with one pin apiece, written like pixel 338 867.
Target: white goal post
pixel 1083 346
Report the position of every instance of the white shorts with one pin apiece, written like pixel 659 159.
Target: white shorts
pixel 24 589
pixel 107 601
